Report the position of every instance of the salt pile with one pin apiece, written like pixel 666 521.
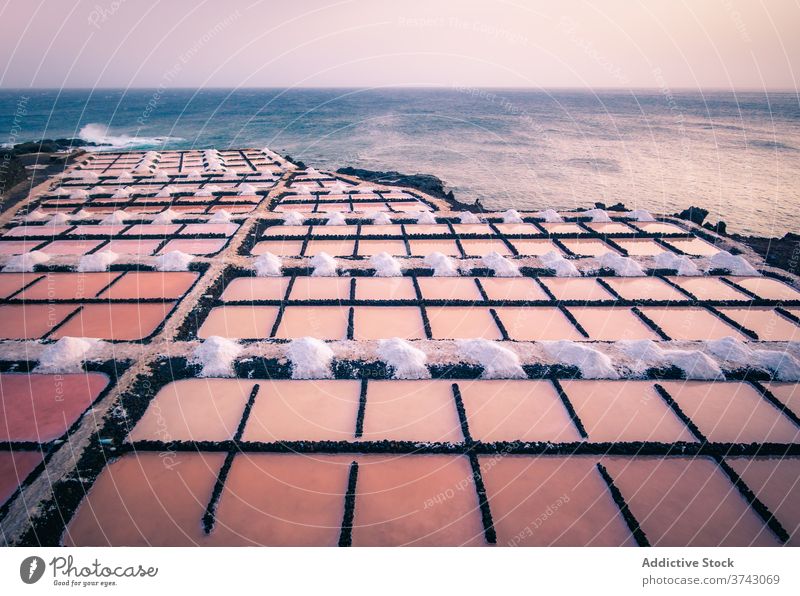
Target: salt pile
pixel 785 366
pixel 467 217
pixel 216 355
pixel 99 261
pixel 501 266
pixel 310 358
pixel 622 266
pixel 647 354
pixel 25 263
pixel 381 218
pixel 498 362
pixel 66 355
pixel 386 265
pixel 58 219
pixel 293 218
pixel 562 267
pixel 165 217
pixel 221 216
pixel 335 219
pixel 640 215
pixel 406 361
pixel 37 215
pixel 426 217
pixel 735 264
pixel 268 265
pixel 512 216
pixel 597 215
pixel 683 265
pixel 114 219
pixel 591 363
pixel 549 216
pixel 443 266
pixel 173 261
pixel 324 265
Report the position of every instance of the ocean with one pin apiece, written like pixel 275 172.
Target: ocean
pixel 737 155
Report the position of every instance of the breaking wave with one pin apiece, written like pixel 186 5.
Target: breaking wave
pixel 98 133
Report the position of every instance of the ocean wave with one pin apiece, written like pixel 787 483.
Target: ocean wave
pixel 98 133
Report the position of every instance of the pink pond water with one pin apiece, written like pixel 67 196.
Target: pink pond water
pixel 732 412
pixel 449 288
pixel 516 410
pixel 411 411
pixel 194 410
pixel 551 501
pixel 147 499
pixel 611 323
pixel 538 323
pixel 394 505
pixel 462 322
pixel 385 288
pixel 115 321
pixel 321 322
pixel 318 410
pixel 686 502
pixel 775 482
pixel 41 408
pixel 383 322
pixel 624 411
pixel 240 322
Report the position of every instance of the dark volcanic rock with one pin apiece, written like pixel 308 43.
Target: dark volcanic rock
pixel 426 183
pixel 693 214
pixel 51 146
pixel 777 252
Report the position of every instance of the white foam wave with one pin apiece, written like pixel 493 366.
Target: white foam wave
pixel 100 134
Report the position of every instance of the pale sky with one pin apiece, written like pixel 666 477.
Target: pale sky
pixel 667 44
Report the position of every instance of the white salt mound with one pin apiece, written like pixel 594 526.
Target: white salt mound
pixel 98 261
pixel 67 354
pixel 381 218
pixel 114 219
pixel 426 217
pixel 83 214
pixel 680 263
pixel 646 353
pixel 268 265
pixel 25 263
pixel 498 362
pixel 335 219
pixel 216 355
pixel 78 194
pixel 592 364
pixel 247 189
pixel 324 265
pixel 221 216
pixel 550 216
pixel 121 193
pixel 468 217
pixel 784 366
pixel 174 260
pixel 165 217
pixel 597 215
pixel 310 358
pixel 622 266
pixel 443 266
pixel 386 265
pixel 512 216
pixel 293 218
pixel 407 361
pixel 58 219
pixel 501 266
pixel 37 215
pixel 640 215
pixel 556 261
pixel 165 192
pixel 734 263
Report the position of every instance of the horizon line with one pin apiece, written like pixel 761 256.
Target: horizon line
pixel 432 87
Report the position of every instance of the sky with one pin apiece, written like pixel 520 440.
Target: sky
pixel 661 44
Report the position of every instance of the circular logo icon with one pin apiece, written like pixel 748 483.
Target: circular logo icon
pixel 31 569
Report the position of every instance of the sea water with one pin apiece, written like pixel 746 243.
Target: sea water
pixel 735 154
